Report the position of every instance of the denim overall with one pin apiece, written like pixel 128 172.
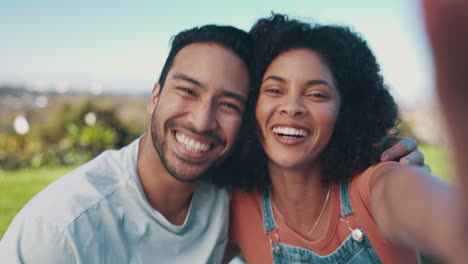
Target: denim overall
pixel 352 250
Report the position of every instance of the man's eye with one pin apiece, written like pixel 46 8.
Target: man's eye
pixel 231 106
pixel 187 90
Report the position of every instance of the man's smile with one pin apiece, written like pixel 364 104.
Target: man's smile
pixel 192 144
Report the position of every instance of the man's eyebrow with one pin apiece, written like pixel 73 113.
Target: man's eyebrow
pixel 184 77
pixel 235 96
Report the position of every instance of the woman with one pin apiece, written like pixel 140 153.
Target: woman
pixel 314 198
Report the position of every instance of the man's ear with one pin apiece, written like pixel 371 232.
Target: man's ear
pixel 153 100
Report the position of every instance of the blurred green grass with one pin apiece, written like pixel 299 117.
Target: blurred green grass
pixel 18 187
pixel 439 161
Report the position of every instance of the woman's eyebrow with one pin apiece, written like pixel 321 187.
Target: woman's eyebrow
pixel 274 78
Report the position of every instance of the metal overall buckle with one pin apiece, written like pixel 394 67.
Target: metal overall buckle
pixel 273 238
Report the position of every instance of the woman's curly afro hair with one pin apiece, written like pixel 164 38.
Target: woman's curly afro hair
pixel 367 110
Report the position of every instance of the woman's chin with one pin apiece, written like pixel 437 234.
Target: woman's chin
pixel 289 164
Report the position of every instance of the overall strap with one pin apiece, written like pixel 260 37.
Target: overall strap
pixel 268 219
pixel 346 208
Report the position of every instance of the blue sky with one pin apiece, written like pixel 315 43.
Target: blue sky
pixel 122 45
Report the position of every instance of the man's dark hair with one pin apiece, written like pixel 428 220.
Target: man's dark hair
pixel 234 39
pixel 367 110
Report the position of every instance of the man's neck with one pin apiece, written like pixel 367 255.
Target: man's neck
pixel 165 194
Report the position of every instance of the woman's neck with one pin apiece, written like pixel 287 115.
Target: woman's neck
pixel 296 185
pixel 299 195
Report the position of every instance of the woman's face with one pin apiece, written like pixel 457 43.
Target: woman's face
pixel 297 108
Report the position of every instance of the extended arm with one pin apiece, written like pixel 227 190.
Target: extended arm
pixel 413 208
pixel 447 27
pixel 409 206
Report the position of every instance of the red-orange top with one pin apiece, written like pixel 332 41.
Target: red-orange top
pixel 248 232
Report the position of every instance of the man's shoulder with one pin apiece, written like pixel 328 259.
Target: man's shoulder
pixel 72 195
pixel 212 191
pixel 40 231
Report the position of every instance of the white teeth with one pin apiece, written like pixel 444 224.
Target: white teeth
pixel 290 132
pixel 191 144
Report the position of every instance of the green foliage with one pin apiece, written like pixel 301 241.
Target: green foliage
pixel 66 138
pixel 404 129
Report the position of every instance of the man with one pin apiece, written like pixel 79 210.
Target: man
pixel 145 203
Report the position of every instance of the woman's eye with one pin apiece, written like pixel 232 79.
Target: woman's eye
pixel 318 95
pixel 273 91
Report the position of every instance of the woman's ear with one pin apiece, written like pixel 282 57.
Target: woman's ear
pixel 153 100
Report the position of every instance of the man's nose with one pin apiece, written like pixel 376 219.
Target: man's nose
pixel 203 117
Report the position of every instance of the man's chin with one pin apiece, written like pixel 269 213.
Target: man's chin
pixel 189 177
pixel 188 172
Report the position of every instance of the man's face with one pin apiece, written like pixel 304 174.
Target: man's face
pixel 198 114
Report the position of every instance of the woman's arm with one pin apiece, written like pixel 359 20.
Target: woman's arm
pixel 413 208
pixel 447 28
pixel 410 206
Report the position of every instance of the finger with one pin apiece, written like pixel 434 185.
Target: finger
pixel 414 158
pixel 401 148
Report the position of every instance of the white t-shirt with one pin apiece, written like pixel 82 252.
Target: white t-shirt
pixel 98 213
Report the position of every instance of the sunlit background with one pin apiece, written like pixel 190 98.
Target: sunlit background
pixel 121 45
pixel 74 75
